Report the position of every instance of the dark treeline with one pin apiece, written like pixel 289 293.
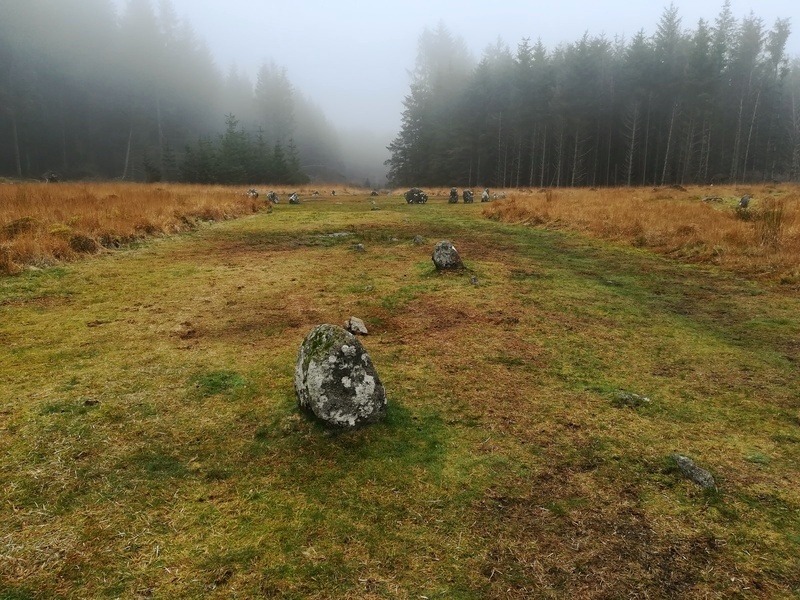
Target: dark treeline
pixel 86 92
pixel 718 103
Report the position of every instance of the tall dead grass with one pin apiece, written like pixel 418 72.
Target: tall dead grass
pixel 42 224
pixel 696 224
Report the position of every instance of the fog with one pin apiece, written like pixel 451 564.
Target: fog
pixel 353 57
pixel 107 87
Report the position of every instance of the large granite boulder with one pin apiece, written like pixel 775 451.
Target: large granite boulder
pixel 416 196
pixel 445 256
pixel 453 196
pixel 335 380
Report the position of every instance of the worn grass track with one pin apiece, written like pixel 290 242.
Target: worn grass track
pixel 151 445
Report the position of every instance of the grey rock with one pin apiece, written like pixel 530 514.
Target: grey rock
pixel 294 198
pixel 445 256
pixel 629 399
pixel 469 196
pixel 453 196
pixel 358 248
pixel 356 325
pixel 335 379
pixel 418 240
pixel 690 470
pixel 416 196
pixel 474 281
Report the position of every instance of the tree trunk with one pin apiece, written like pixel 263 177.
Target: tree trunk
pixel 737 142
pixel 669 142
pixel 499 147
pixel 160 135
pixel 646 141
pixel 688 150
pixel 575 157
pixel 750 136
pixel 629 158
pixel 560 153
pixel 15 137
pixel 705 152
pixel 533 157
pixel 596 154
pixel 795 168
pixel 544 155
pixel 128 154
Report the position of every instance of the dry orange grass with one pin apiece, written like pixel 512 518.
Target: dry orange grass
pixel 763 241
pixel 42 224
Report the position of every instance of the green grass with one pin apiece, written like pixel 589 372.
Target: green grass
pixel 152 445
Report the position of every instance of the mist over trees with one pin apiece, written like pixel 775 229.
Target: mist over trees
pixel 717 103
pixel 90 93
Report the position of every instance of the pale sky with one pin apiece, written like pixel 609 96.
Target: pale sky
pixel 351 57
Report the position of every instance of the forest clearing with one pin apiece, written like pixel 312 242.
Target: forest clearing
pixel 153 447
pixel 42 224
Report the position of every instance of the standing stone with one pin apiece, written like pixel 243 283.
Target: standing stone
pixel 335 380
pixel 445 256
pixel 416 196
pixel 453 196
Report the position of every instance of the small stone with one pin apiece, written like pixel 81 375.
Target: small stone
pixel 356 325
pixel 418 240
pixel 358 248
pixel 375 207
pixel 699 476
pixel 473 280
pixel 445 256
pixel 629 399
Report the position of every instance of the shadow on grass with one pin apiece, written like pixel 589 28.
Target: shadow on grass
pixel 404 438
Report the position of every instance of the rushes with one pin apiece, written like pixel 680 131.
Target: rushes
pixel 770 223
pixel 42 224
pixel 764 241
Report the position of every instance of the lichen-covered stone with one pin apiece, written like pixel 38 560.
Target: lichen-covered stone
pixel 691 471
pixel 445 256
pixel 416 196
pixel 335 380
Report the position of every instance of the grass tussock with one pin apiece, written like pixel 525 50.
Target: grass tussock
pixel 695 224
pixel 45 224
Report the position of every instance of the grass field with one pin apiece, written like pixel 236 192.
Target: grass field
pixel 152 447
